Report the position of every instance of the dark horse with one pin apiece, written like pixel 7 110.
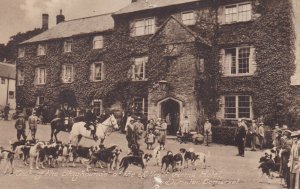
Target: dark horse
pixel 58 124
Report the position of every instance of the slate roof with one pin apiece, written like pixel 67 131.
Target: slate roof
pixel 74 27
pixel 7 70
pixel 151 4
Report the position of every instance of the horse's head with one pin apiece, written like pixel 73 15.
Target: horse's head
pixel 114 122
pixel 111 121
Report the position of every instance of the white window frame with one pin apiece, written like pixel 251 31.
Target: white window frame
pixel 141 27
pixel 98 42
pixel 93 71
pixel 68 46
pixel 239 16
pixel 190 20
pixel 38 100
pixel 41 50
pixel 100 102
pixel 237 107
pixel 67 77
pixel 136 74
pixel 21 52
pixel 143 103
pixel 41 78
pixel 228 61
pixel 20 77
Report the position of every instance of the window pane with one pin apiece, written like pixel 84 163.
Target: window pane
pixel 244 54
pixel 188 18
pixel 138 105
pixel 98 42
pixel 231 14
pixel 230 60
pixel 244 106
pixel 97 72
pixel 244 12
pixel 230 107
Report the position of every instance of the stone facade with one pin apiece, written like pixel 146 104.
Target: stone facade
pixel 189 57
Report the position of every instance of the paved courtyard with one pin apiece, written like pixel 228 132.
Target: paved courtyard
pixel 224 169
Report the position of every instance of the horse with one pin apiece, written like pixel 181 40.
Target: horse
pixel 57 125
pixel 78 130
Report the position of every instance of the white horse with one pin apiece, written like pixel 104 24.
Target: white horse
pixel 78 130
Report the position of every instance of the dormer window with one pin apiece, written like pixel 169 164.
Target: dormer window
pixel 21 52
pixel 41 50
pixel 68 46
pixel 188 18
pixel 98 42
pixel 144 26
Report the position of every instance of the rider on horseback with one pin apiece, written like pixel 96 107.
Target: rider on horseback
pixel 90 119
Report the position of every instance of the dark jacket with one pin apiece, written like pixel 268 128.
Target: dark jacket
pixel 240 134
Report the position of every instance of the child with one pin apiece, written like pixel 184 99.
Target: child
pixel 150 139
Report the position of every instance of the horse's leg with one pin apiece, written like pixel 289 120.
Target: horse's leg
pixel 79 137
pixel 52 132
pixel 55 134
pixel 101 141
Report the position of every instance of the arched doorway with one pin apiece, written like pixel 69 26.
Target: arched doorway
pixel 170 110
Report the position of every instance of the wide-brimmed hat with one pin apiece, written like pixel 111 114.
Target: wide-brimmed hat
pixel 295 134
pixel 261 123
pixel 239 120
pixel 21 115
pixel 138 118
pixel 285 127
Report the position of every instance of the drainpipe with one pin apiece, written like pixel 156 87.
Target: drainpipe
pixel 7 90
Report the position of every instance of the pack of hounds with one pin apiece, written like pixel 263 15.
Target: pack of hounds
pixel 41 154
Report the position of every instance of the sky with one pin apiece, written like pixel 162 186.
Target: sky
pixel 24 15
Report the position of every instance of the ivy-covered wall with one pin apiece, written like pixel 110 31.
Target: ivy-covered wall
pixel 270 32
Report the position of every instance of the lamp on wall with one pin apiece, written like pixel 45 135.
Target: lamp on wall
pixel 162 84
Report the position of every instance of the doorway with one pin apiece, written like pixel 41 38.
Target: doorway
pixel 170 110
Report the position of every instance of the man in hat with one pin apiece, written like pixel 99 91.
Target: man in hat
pixel 207 130
pixel 253 130
pixel 130 136
pixel 20 125
pixel 294 161
pixel 139 131
pixel 240 136
pixel 32 122
pixel 284 159
pixel 90 119
pixel 261 134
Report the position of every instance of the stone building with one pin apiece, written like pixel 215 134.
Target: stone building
pixel 160 58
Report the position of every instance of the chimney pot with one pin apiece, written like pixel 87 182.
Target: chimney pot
pixel 45 21
pixel 60 18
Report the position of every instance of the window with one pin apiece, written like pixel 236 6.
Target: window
pixel 41 50
pixel 40 75
pixel 238 61
pixel 11 94
pixel 140 106
pixel 139 69
pixel 2 80
pixel 67 73
pixel 20 77
pixel 98 42
pixel 40 101
pixel 143 27
pixel 97 71
pixel 237 107
pixel 238 13
pixel 21 52
pixel 97 106
pixel 188 18
pixel 68 46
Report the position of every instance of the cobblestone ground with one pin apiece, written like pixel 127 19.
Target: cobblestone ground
pixel 224 169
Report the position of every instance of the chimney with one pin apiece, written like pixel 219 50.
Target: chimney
pixel 45 21
pixel 60 18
